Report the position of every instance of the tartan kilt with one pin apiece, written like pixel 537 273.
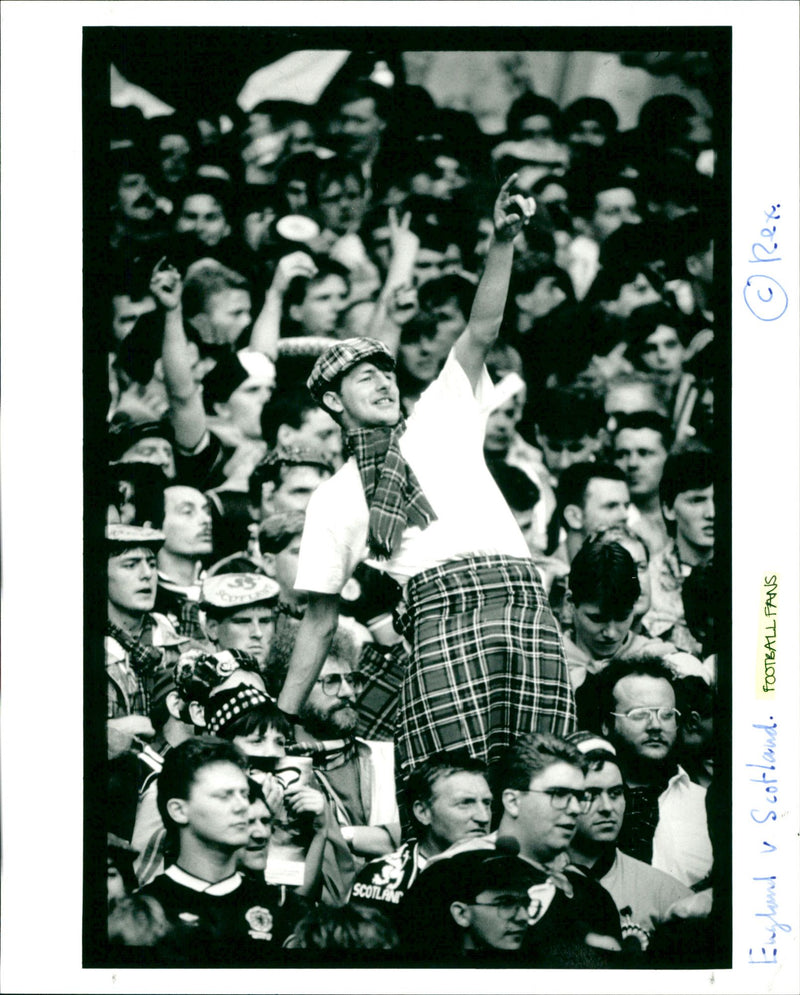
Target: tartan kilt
pixel 487 662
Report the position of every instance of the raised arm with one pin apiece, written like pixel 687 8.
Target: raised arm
pixel 511 213
pixel 310 651
pixel 267 326
pixel 396 302
pixel 186 411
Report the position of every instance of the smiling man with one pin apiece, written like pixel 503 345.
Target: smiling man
pixel 219 916
pixel 418 502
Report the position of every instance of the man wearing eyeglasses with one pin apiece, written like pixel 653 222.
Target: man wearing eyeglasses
pixel 665 822
pixel 356 774
pixel 644 895
pixel 541 783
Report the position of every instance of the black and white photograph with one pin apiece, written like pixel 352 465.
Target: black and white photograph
pixel 422 624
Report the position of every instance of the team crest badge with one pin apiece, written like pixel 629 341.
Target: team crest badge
pixel 260 922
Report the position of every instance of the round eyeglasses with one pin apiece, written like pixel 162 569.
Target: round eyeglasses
pixel 641 715
pixel 507 906
pixel 331 684
pixel 559 797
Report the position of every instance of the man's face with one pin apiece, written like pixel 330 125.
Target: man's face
pixel 284 569
pixel 132 580
pixel 693 513
pixel 187 522
pixel 369 397
pixel 637 293
pixel 319 311
pixel 135 198
pixel 605 503
pixel 421 358
pixel 649 738
pixel 228 315
pixel 174 151
pixel 342 205
pixel 357 127
pixel 544 831
pixel 250 629
pixel 243 407
pixel 598 633
pixel 450 323
pixel 640 454
pixel 603 821
pixel 317 431
pixel 558 454
pixel 216 811
pixel 294 491
pixel 429 264
pixel 663 353
pixel 331 715
pixel 501 427
pixel 202 215
pixel 152 450
pixel 542 299
pixel 253 856
pixel 614 208
pixel 460 807
pixel 125 313
pixel 588 132
pixel 490 925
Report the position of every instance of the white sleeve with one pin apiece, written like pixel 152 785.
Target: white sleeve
pixel 333 543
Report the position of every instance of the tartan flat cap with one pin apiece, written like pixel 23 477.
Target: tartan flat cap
pixel 343 356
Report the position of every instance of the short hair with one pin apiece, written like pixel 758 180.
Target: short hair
pixel 604 573
pixel 620 533
pixel 289 405
pixel 659 390
pixel 644 320
pixel 336 170
pixel 590 109
pixel 258 720
pixel 182 764
pixel 529 756
pixel 348 927
pixel 434 293
pixel 686 470
pixel 204 279
pixel 528 105
pixel 568 413
pixel 527 274
pixel 640 666
pixel 339 94
pixel 422 780
pixel 652 420
pixel 611 279
pixel 272 469
pixel 520 492
pixel 298 286
pixel 575 479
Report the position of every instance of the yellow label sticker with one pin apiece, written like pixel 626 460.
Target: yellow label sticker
pixel 766 666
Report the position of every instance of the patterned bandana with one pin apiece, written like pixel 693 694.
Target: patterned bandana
pixel 393 493
pixel 143 658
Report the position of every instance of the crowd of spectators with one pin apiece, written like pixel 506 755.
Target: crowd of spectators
pixel 252 812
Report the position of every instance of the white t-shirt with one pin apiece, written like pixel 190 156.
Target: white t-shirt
pixel 443 444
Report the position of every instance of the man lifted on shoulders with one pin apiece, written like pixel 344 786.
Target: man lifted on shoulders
pixel 417 501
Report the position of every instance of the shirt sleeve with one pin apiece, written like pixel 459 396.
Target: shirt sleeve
pixel 331 547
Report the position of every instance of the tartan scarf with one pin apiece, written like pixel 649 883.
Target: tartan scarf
pixel 393 493
pixel 143 658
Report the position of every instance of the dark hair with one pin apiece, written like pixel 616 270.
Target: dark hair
pixel 703 603
pixel 289 405
pixel 590 109
pixel 620 533
pixel 604 573
pixel 520 492
pixel 575 479
pixel 528 105
pixel 526 275
pixel 686 470
pixel 434 293
pixel 568 413
pixel 422 780
pixel 181 766
pixel 258 720
pixel 644 320
pixel 336 170
pixel 692 694
pixel 148 483
pixel 530 755
pixel 339 94
pixel 652 420
pixel 349 927
pixel 298 286
pixel 611 279
pixel 272 469
pixel 616 670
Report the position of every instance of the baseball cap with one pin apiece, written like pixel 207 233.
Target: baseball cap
pixel 341 358
pixel 234 590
